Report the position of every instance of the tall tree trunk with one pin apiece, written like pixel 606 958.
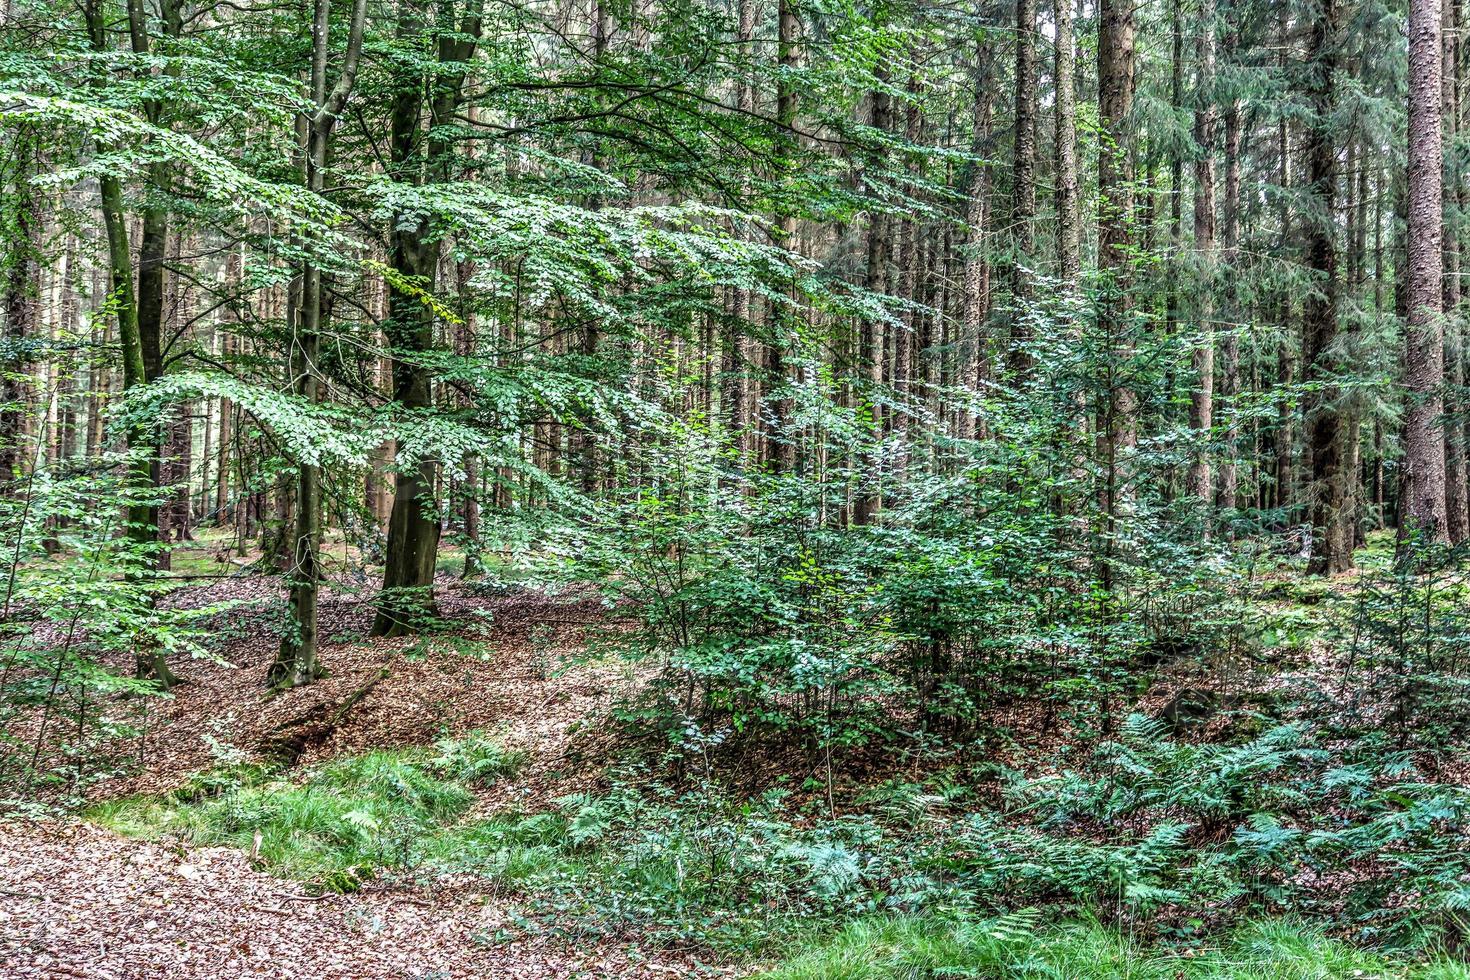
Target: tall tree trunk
pixel 296 661
pixel 407 598
pixel 1424 455
pixel 1069 214
pixel 1202 403
pixel 20 303
pixel 1230 342
pixel 976 288
pixel 871 341
pixel 1023 180
pixel 1116 426
pixel 1329 553
pixel 743 393
pixel 139 310
pixel 1457 499
pixel 780 449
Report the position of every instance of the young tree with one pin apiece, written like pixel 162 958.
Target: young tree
pixel 296 661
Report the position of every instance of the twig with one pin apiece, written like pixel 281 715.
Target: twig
pixel 301 898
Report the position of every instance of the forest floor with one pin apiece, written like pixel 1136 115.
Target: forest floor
pixel 522 665
pixel 77 900
pixel 80 900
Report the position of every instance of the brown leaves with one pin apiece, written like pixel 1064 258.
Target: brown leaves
pixel 102 906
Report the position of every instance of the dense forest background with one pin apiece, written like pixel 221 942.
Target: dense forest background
pixel 1024 447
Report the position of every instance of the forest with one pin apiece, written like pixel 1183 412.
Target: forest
pixel 798 489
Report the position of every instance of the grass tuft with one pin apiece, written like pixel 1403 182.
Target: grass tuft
pixel 335 827
pixel 1018 946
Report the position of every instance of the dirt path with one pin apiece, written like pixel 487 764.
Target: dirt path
pixel 79 901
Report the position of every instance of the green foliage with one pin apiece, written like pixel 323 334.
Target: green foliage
pixel 1023 945
pixel 475 760
pixel 1404 633
pixel 80 604
pixel 336 826
pixel 842 607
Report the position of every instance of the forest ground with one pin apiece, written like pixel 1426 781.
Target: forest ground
pixel 78 899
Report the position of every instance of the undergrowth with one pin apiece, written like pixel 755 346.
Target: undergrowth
pixel 1021 945
pixel 333 828
pixel 1167 840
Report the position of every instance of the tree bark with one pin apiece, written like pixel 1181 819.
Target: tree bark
pixel 296 661
pixel 1457 499
pixel 1069 215
pixel 1329 552
pixel 1202 401
pixel 1023 182
pixel 407 598
pixel 1424 454
pixel 1118 406
pixel 1230 342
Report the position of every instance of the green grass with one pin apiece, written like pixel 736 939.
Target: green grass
pixel 1022 946
pixel 337 826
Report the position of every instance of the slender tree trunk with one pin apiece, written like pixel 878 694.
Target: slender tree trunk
pixel 872 340
pixel 1069 214
pixel 1202 403
pixel 137 335
pixel 20 304
pixel 1230 342
pixel 976 288
pixel 296 661
pixel 1424 456
pixel 1023 181
pixel 1116 426
pixel 1329 553
pixel 781 449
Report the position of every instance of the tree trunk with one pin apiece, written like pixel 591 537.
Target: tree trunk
pixel 871 341
pixel 296 661
pixel 1230 342
pixel 1069 215
pixel 1202 402
pixel 1329 553
pixel 1457 500
pixel 20 305
pixel 407 598
pixel 1023 181
pixel 1424 455
pixel 1116 426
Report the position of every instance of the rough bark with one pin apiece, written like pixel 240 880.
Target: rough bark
pixel 1329 552
pixel 871 341
pixel 1118 404
pixel 1023 180
pixel 1457 500
pixel 1424 455
pixel 976 286
pixel 1069 214
pixel 1202 400
pixel 1230 341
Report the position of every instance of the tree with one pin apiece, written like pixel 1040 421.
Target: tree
pixel 415 254
pixel 1424 455
pixel 1331 548
pixel 1201 416
pixel 296 661
pixel 1115 84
